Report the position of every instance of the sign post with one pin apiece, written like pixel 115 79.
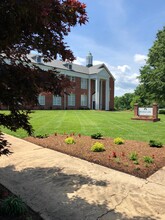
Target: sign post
pixel 147 114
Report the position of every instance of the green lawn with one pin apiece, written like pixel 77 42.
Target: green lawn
pixel 112 124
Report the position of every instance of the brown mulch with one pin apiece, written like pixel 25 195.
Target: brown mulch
pixel 81 149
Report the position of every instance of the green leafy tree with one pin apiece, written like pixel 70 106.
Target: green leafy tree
pixel 42 26
pixel 123 102
pixel 152 75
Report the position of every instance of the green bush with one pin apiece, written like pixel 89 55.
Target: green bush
pixel 97 136
pixel 13 206
pixel 162 111
pixel 118 140
pixel 148 159
pixel 70 140
pixel 154 143
pixel 133 156
pixel 98 147
pixel 41 136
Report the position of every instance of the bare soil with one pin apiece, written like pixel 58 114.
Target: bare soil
pixel 82 149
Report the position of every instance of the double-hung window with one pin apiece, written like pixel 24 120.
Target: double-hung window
pixel 56 100
pixel 71 99
pixel 41 100
pixel 84 100
pixel 83 83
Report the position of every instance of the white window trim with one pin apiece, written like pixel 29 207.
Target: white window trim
pixel 71 99
pixel 41 100
pixel 84 100
pixel 84 83
pixel 57 100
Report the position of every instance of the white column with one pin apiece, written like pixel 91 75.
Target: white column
pixel 107 95
pixel 89 93
pixel 101 94
pixel 97 85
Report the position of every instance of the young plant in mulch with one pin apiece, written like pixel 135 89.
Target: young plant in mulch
pixel 41 136
pixel 133 156
pixel 154 143
pixel 70 140
pixel 96 136
pixel 118 141
pixel 148 159
pixel 98 147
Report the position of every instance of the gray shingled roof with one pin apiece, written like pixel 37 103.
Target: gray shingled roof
pixel 75 67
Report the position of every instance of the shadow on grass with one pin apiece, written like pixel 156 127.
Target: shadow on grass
pixel 52 193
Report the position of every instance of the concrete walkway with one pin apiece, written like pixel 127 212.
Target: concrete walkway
pixel 61 187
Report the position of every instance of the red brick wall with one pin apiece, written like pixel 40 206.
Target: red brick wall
pixel 77 91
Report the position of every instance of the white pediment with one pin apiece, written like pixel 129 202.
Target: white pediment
pixel 103 74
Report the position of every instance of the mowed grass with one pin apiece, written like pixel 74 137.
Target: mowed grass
pixel 85 122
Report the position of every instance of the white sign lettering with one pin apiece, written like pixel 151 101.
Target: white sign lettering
pixel 145 111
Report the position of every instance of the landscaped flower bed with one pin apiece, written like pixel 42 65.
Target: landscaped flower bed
pixel 133 157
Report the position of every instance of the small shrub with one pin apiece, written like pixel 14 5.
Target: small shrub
pixel 136 162
pixel 13 206
pixel 133 156
pixel 154 143
pixel 41 136
pixel 148 159
pixel 96 136
pixel 70 140
pixel 118 140
pixel 98 147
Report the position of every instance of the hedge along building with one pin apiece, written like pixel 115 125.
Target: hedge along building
pixel 94 86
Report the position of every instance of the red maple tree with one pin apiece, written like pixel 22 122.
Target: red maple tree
pixel 27 25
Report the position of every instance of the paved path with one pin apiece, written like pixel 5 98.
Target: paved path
pixel 61 187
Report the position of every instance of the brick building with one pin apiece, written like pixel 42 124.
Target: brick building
pixel 94 86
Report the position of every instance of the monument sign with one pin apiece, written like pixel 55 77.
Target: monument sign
pixel 147 114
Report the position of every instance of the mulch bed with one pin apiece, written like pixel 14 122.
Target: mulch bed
pixel 121 162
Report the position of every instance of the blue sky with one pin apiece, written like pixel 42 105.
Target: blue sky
pixel 119 33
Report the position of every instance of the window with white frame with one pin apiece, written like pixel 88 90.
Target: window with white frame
pixel 71 99
pixel 83 100
pixel 83 83
pixel 41 100
pixel 56 100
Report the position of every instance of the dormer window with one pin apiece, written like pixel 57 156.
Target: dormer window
pixel 68 65
pixel 38 59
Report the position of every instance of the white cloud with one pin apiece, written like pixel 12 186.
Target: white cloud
pixel 124 68
pixel 126 80
pixel 140 58
pixel 80 61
